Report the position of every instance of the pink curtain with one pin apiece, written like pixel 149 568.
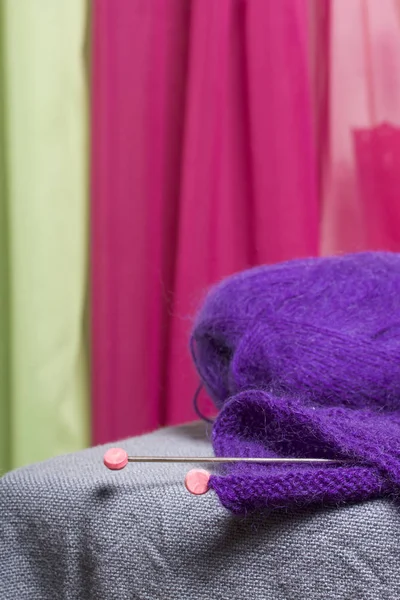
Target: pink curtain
pixel 203 163
pixel 360 191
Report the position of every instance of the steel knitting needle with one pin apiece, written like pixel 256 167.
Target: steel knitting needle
pixel 221 459
pixel 197 481
pixel 117 458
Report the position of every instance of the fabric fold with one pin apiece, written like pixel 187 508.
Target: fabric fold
pixel 44 396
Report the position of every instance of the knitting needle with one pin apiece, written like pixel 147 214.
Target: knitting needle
pixel 222 459
pixel 117 458
pixel 197 480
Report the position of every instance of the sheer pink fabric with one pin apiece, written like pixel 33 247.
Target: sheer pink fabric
pixel 361 176
pixel 202 164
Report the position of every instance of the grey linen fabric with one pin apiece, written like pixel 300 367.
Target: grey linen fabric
pixel 69 528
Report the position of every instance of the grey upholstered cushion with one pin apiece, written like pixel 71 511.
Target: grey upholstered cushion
pixel 69 528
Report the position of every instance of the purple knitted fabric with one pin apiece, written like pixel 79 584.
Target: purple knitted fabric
pixel 303 360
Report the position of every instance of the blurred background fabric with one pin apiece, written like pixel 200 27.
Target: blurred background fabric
pixel 202 165
pixel 219 135
pixel 360 192
pixel 44 397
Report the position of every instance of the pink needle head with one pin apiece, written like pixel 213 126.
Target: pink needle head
pixel 197 481
pixel 115 458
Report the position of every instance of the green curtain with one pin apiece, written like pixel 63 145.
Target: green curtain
pixel 43 230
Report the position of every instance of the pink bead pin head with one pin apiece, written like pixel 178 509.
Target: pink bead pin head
pixel 197 481
pixel 115 458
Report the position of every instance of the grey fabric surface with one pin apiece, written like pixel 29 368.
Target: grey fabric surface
pixel 69 528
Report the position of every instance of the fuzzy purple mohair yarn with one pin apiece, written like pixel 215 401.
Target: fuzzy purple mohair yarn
pixel 302 359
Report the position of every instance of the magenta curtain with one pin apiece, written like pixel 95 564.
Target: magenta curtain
pixel 203 163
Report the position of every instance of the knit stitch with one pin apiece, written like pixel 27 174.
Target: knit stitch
pixel 302 359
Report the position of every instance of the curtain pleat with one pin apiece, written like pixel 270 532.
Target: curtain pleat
pixel 203 165
pixel 361 173
pixel 44 230
pixel 5 395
